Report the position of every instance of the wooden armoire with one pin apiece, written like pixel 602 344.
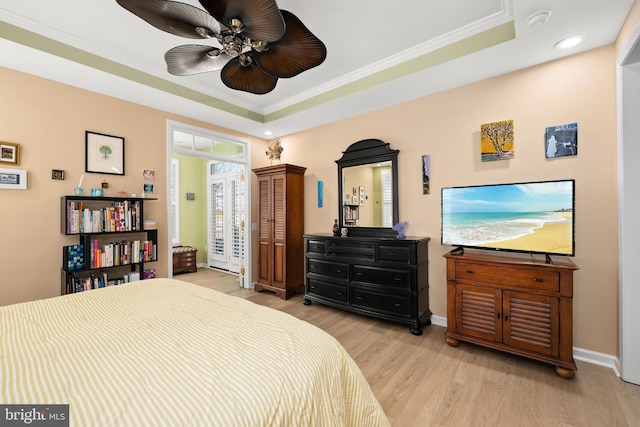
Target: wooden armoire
pixel 280 229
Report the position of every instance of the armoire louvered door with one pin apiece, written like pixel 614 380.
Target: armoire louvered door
pixel 280 229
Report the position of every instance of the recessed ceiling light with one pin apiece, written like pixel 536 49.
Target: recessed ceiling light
pixel 569 42
pixel 268 132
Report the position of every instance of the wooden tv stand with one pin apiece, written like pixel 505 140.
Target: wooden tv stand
pixel 513 304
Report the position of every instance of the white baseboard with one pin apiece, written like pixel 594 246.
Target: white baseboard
pixel 600 359
pixel 593 357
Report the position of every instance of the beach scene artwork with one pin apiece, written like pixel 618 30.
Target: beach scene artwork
pixel 531 217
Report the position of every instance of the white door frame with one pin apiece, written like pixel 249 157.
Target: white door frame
pixel 245 267
pixel 628 91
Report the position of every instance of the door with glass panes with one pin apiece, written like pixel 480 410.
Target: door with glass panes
pixel 226 215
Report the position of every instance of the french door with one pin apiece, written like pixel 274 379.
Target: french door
pixel 226 201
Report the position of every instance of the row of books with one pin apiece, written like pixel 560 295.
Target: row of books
pixel 120 216
pixel 122 253
pixel 80 284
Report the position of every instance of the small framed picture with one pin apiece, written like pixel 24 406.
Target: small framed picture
pixel 149 175
pixel 147 188
pixel 104 153
pixel 10 153
pixel 354 200
pixel 13 179
pixel 361 196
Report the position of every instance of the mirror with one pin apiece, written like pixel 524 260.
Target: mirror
pixel 368 188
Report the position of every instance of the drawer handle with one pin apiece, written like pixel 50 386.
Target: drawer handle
pixel 358 274
pixel 538 280
pixel 313 287
pixel 359 298
pixel 398 304
pixel 392 254
pixel 339 293
pixel 338 270
pixel 469 271
pixel 397 279
pixel 506 317
pixel 498 316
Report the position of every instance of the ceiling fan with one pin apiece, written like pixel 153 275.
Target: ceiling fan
pixel 259 43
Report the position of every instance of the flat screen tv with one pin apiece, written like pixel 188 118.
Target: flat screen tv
pixel 534 217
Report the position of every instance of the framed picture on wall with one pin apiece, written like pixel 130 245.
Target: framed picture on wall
pixel 13 179
pixel 104 153
pixel 10 153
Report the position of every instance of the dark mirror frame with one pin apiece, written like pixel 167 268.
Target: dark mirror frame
pixel 362 153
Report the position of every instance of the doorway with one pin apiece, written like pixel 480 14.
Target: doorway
pixel 216 169
pixel 629 207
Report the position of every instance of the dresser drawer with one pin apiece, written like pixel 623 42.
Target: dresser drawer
pixel 395 253
pixel 533 279
pixel 393 304
pixel 382 276
pixel 316 246
pixel 331 269
pixel 510 277
pixel 325 290
pixel 351 249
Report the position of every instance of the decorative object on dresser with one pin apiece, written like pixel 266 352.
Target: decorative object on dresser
pixel 103 260
pixel 385 278
pixel 520 306
pixel 280 229
pixel 184 259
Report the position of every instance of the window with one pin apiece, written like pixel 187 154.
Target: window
pixel 387 202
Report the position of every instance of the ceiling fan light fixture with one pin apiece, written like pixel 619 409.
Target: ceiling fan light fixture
pixel 204 32
pixel 245 60
pixel 260 46
pixel 236 26
pixel 214 53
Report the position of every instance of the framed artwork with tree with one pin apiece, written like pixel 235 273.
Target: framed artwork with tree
pixel 104 153
pixel 496 141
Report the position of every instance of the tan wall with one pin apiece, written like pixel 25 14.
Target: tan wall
pixel 447 127
pixel 630 25
pixel 49 121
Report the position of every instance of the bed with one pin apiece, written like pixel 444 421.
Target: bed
pixel 163 352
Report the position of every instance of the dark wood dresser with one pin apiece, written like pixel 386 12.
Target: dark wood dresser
pixel 386 278
pixel 512 304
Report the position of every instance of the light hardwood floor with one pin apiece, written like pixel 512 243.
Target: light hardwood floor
pixel 422 381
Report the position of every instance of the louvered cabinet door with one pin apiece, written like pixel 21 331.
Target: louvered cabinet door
pixel 278 231
pixel 264 229
pixel 531 322
pixel 478 312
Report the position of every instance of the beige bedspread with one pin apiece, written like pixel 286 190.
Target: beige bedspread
pixel 163 352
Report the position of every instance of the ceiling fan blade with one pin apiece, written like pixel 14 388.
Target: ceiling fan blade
pixel 297 51
pixel 173 17
pixel 192 59
pixel 247 78
pixel 261 18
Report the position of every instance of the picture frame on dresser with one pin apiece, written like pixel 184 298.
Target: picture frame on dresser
pixel 104 153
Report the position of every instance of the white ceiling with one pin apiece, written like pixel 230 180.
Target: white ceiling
pixel 369 62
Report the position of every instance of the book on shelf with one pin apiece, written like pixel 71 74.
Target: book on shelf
pixel 120 216
pixel 73 257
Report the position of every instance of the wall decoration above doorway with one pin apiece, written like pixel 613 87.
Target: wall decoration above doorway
pixel 104 153
pixel 561 141
pixel 425 174
pixel 496 141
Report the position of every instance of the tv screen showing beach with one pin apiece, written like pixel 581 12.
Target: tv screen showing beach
pixel 532 217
